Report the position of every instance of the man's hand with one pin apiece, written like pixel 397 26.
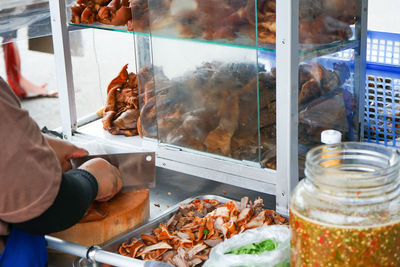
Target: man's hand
pixel 108 177
pixel 65 151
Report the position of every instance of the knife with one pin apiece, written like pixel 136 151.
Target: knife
pixel 137 169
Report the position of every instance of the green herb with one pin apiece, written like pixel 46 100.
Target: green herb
pixel 256 248
pixel 206 231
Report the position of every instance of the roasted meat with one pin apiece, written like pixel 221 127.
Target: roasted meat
pixel 186 239
pixel 121 113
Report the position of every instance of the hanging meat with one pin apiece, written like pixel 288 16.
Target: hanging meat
pixel 121 113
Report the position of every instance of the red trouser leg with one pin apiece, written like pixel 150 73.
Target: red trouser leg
pixel 13 68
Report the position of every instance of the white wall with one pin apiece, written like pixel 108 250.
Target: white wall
pixel 384 15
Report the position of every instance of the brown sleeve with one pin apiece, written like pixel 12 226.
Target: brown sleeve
pixel 30 174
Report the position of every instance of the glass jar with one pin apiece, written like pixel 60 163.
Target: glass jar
pixel 346 212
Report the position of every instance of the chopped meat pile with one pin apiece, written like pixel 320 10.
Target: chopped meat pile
pixel 121 113
pixel 188 236
pixel 133 13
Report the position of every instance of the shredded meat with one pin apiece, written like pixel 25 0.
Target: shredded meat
pixel 186 239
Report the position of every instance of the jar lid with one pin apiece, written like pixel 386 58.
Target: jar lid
pixel 329 137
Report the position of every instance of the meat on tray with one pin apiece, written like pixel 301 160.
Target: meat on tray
pixel 188 236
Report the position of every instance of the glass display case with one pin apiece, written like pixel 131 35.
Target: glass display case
pixel 235 91
pixel 32 15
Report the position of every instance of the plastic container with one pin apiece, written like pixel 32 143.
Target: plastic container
pixel 382 108
pixel 383 50
pixel 347 215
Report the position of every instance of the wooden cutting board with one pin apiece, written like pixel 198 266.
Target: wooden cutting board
pixel 126 210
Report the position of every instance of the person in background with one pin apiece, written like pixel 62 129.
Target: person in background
pixel 22 87
pixel 39 193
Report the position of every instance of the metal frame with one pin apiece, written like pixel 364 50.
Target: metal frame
pixel 360 64
pixel 287 69
pixel 62 55
pixel 213 167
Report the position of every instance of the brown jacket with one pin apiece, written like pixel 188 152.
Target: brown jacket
pixel 30 174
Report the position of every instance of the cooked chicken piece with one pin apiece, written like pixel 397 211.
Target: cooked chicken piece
pixel 160 245
pixel 195 261
pixel 179 259
pixel 244 216
pixel 243 203
pixel 258 205
pixel 168 255
pixel 222 212
pixel 148 239
pixel 257 221
pixel 195 250
pixel 212 242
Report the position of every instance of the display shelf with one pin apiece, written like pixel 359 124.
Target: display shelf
pixel 222 169
pixel 307 51
pixel 94 131
pixel 106 27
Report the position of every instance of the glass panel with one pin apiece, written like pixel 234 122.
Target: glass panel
pixel 206 93
pixel 327 21
pixel 328 77
pixel 207 97
pixel 147 101
pixel 267 96
pixel 328 97
pixel 222 21
pixel 97 58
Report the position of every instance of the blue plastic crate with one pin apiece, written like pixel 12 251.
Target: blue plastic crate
pixel 382 108
pixel 383 51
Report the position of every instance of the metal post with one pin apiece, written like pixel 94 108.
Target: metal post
pixel 62 55
pixel 287 65
pixel 360 62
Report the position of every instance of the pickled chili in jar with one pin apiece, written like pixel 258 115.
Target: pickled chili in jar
pixel 347 214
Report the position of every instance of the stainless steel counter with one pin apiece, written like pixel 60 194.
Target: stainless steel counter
pixel 173 187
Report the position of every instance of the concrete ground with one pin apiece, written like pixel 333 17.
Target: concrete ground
pixel 98 57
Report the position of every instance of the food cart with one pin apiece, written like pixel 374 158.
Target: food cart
pixel 268 78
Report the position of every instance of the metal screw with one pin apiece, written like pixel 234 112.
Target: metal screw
pixel 283 194
pixel 164 164
pixel 283 41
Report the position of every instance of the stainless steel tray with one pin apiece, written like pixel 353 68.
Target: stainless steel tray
pixel 114 244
